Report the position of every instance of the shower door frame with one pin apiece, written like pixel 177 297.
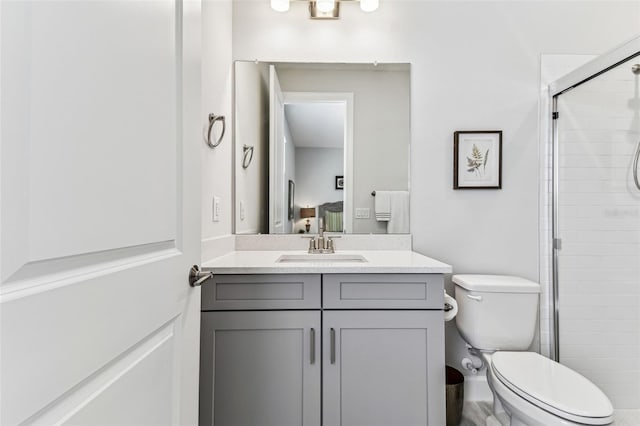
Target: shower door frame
pixel 588 71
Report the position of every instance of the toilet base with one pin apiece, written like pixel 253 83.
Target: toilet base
pixel 512 410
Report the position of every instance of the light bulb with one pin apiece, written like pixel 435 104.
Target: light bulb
pixel 369 5
pixel 325 5
pixel 280 5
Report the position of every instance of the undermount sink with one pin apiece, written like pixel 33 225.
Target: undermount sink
pixel 315 258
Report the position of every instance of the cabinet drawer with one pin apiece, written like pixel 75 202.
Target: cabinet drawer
pixel 383 291
pixel 272 291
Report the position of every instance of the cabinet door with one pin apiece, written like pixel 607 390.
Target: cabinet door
pixel 383 368
pixel 260 368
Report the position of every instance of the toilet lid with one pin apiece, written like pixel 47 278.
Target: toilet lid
pixel 551 386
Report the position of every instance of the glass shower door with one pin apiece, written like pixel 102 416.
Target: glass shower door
pixel 598 225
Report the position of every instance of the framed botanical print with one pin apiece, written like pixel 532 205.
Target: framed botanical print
pixel 477 159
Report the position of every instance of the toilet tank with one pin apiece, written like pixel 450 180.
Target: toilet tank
pixel 496 312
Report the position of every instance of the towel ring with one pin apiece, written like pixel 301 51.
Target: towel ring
pixel 247 156
pixel 212 119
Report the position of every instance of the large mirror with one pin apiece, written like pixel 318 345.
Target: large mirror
pixel 321 144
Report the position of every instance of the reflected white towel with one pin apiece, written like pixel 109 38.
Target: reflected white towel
pixel 383 206
pixel 399 220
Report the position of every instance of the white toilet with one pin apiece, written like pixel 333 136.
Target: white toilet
pixel 497 316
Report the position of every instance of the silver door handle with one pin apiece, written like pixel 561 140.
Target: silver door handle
pixel 476 298
pixel 312 347
pixel 332 355
pixel 197 277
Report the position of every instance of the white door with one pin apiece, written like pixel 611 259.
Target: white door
pixel 260 368
pixel 276 155
pixel 100 125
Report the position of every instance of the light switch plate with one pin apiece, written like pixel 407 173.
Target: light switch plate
pixel 216 209
pixel 363 213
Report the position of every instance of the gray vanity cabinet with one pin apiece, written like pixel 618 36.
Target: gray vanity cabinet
pixel 260 368
pixel 381 361
pixel 383 368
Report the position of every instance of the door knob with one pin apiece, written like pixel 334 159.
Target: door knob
pixel 197 277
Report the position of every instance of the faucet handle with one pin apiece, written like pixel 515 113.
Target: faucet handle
pixel 330 245
pixel 312 242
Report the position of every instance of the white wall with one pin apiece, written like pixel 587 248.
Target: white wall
pixel 475 65
pixel 381 129
pixel 317 169
pixel 217 94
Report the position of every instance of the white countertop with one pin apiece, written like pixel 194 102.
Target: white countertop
pixel 378 261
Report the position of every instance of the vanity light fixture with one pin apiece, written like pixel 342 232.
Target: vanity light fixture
pixel 280 5
pixel 369 5
pixel 325 9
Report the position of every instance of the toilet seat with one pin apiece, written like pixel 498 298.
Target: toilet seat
pixel 552 387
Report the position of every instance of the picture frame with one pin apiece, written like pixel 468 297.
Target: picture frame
pixel 291 199
pixel 339 182
pixel 477 159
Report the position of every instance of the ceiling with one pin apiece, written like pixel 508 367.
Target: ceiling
pixel 316 124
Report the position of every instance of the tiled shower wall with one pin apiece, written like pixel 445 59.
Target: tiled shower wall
pixel 599 224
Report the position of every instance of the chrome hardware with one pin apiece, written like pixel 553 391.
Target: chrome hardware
pixel 332 355
pixel 330 245
pixel 247 156
pixel 447 307
pixel 312 348
pixel 557 243
pixel 476 298
pixel 635 159
pixel 319 244
pixel 212 119
pixel 197 277
pixel 312 242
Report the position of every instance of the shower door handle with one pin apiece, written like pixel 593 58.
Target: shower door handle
pixel 635 166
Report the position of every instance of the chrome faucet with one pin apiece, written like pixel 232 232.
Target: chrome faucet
pixel 319 243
